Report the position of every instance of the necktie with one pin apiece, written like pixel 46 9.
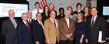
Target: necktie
pixel 27 25
pixel 54 23
pixel 41 24
pixel 92 23
pixel 14 22
pixel 29 21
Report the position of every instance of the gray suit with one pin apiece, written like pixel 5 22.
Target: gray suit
pixel 9 31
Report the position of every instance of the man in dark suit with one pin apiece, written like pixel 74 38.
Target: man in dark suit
pixel 9 28
pixel 23 31
pixel 95 24
pixel 67 29
pixel 29 15
pixel 38 32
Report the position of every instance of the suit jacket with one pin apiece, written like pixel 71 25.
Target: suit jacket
pixel 38 32
pixel 23 34
pixel 51 32
pixel 9 31
pixel 92 32
pixel 30 25
pixel 65 30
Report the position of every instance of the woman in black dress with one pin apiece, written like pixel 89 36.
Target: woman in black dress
pixel 80 29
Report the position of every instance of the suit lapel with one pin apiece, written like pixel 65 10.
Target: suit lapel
pixel 11 23
pixel 27 26
pixel 70 24
pixel 51 23
pixel 66 23
pixel 40 24
pixel 89 22
pixel 96 21
pixel 57 23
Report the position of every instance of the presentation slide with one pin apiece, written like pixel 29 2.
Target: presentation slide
pixel 106 11
pixel 18 8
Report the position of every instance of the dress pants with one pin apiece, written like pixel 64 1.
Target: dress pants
pixel 66 42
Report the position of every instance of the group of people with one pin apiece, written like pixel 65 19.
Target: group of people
pixel 44 26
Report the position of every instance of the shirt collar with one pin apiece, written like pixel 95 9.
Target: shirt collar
pixel 51 19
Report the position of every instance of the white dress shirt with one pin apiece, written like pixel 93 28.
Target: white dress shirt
pixel 24 22
pixel 40 22
pixel 14 22
pixel 93 18
pixel 67 20
pixel 29 20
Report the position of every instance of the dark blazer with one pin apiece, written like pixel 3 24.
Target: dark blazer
pixel 30 25
pixel 38 32
pixel 93 32
pixel 65 30
pixel 9 31
pixel 23 34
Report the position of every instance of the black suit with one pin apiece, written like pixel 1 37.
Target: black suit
pixel 93 31
pixel 38 32
pixel 9 31
pixel 24 34
pixel 30 25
